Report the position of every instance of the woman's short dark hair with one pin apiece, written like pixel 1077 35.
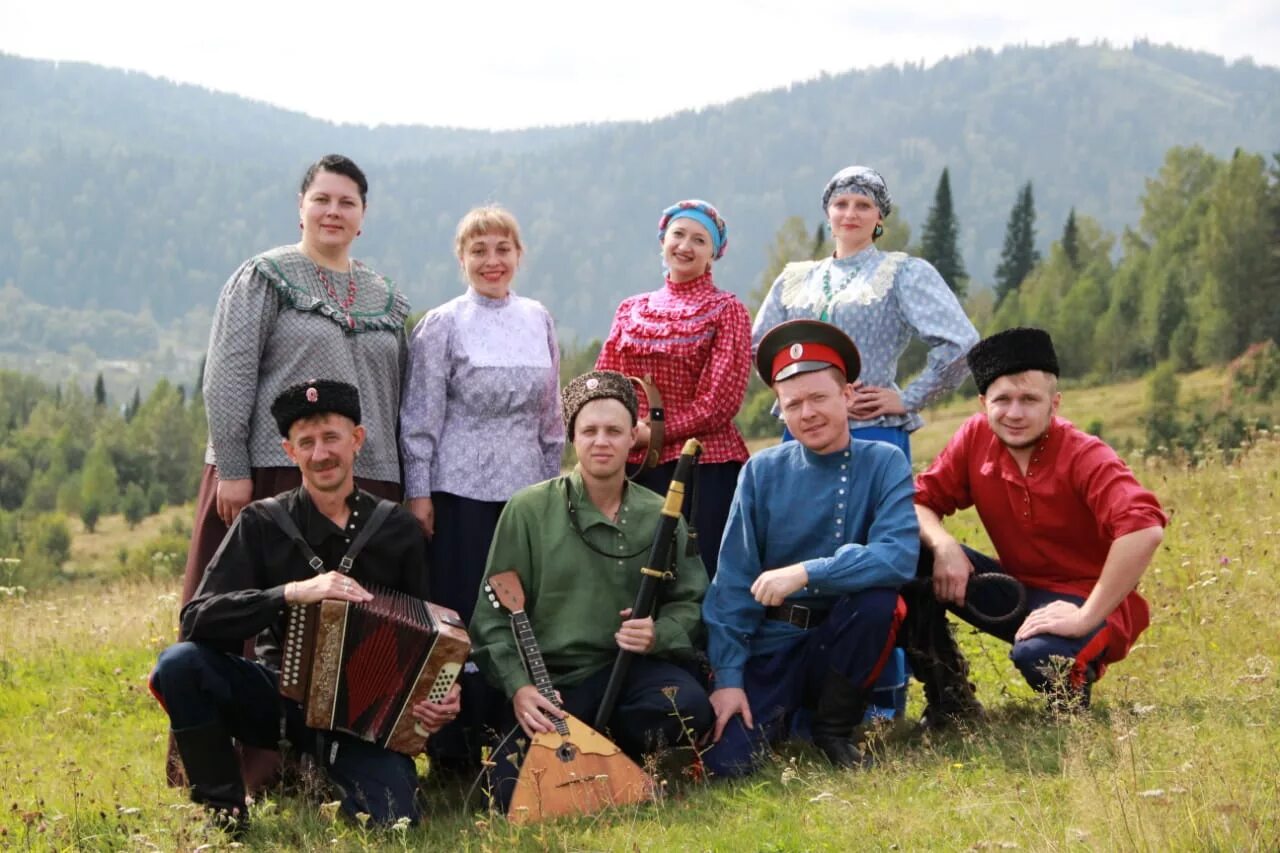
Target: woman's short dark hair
pixel 339 165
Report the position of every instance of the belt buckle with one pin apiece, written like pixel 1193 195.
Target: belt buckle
pixel 796 611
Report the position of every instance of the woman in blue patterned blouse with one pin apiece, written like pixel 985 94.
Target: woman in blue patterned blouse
pixel 881 300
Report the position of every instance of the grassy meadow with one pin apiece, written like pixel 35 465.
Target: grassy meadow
pixel 1179 752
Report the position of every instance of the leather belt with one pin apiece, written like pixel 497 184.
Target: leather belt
pixel 656 420
pixel 798 615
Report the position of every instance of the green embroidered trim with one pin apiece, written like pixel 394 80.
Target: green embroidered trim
pixel 306 300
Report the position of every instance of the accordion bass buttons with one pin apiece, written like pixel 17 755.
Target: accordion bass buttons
pixel 445 678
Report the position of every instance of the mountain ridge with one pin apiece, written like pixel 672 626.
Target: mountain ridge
pixel 121 203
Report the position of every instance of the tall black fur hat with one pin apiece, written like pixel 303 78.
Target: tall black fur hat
pixel 803 346
pixel 317 397
pixel 1011 351
pixel 597 385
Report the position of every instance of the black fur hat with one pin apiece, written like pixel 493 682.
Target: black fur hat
pixel 1011 351
pixel 317 397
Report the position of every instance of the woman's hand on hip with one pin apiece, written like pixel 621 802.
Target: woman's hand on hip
pixel 872 401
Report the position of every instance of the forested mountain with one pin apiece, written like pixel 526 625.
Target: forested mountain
pixel 124 192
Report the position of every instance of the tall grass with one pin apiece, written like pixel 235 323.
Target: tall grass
pixel 1178 753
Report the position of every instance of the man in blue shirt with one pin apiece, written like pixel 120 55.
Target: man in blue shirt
pixel 804 609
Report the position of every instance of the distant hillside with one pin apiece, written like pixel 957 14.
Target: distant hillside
pixel 129 193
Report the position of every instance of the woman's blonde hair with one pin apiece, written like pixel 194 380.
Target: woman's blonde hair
pixel 487 219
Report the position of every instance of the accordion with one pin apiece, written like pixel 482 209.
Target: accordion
pixel 360 668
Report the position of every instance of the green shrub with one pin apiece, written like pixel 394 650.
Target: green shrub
pixel 46 545
pixel 133 505
pixel 1255 375
pixel 756 419
pixel 162 556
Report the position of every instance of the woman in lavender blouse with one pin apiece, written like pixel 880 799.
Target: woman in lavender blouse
pixel 480 419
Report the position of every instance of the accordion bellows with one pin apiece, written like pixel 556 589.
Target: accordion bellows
pixel 360 668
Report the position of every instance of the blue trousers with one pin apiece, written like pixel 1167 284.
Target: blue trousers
pixel 198 686
pixel 855 641
pixel 1033 656
pixel 660 704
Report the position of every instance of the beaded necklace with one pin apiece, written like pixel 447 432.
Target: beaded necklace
pixel 829 293
pixel 344 305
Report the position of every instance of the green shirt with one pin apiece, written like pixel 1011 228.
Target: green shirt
pixel 573 594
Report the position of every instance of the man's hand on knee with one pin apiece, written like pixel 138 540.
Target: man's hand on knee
pixel 728 702
pixel 771 588
pixel 1061 618
pixel 951 571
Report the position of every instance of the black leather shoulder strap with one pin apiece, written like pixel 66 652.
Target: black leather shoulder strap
pixel 285 522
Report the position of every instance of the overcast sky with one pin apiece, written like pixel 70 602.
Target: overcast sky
pixel 504 64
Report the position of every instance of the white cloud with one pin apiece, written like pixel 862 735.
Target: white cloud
pixel 510 64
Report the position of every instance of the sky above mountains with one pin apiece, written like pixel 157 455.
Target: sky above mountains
pixel 503 64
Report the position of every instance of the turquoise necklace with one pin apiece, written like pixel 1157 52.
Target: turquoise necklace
pixel 829 293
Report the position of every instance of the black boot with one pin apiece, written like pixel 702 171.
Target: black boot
pixel 841 705
pixel 213 771
pixel 937 662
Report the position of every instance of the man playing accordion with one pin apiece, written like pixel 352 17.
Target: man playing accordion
pixel 213 695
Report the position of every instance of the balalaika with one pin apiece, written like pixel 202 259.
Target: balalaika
pixel 360 668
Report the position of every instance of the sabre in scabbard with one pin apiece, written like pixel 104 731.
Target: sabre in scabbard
pixel 655 569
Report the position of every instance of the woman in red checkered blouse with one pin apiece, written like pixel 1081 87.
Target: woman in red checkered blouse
pixel 694 340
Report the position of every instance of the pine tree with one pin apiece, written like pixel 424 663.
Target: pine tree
pixel 821 245
pixel 1019 255
pixel 1071 240
pixel 134 405
pixel 938 242
pixel 99 391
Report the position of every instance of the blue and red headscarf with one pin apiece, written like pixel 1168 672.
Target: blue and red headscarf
pixel 702 213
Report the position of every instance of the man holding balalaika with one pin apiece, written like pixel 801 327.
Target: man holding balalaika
pixel 579 548
pixel 326 541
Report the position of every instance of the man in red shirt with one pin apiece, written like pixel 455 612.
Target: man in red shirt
pixel 1068 520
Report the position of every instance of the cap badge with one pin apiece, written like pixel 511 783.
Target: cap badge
pixel 797 350
pixel 593 384
pixel 312 395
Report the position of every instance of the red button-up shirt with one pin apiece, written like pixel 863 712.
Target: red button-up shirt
pixel 1052 527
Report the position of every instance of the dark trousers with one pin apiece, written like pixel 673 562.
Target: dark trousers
pixel 200 686
pixel 1034 656
pixel 855 641
pixel 660 704
pixel 459 550
pixel 715 486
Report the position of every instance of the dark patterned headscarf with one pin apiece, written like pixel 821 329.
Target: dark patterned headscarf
pixel 702 213
pixel 863 181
